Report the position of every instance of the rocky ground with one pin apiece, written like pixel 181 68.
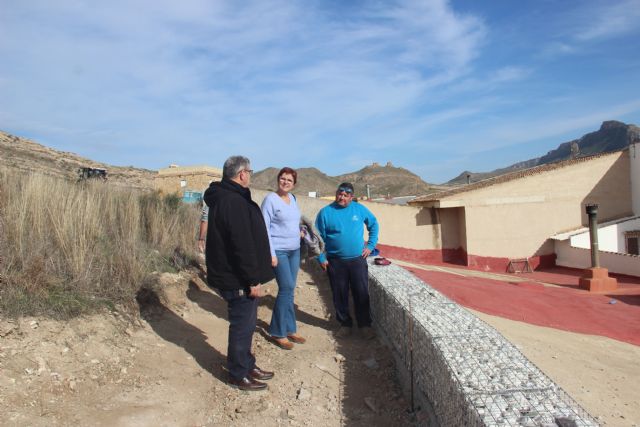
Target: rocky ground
pixel 165 367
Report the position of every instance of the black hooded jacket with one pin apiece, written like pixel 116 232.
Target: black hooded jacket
pixel 237 249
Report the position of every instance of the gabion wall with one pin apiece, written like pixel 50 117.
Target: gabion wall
pixel 469 373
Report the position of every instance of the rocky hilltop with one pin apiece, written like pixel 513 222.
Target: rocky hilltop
pixel 384 181
pixel 26 155
pixel 611 136
pixel 309 179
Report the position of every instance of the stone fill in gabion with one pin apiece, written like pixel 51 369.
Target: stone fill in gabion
pixel 471 375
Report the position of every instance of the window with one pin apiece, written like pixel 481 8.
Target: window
pixel 632 239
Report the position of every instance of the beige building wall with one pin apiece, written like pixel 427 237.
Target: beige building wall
pixel 195 178
pixel 516 218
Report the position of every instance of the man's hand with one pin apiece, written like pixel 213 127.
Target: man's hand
pixel 201 245
pixel 255 291
pixel 365 252
pixel 274 261
pixel 324 265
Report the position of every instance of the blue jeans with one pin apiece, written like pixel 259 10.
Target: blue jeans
pixel 283 319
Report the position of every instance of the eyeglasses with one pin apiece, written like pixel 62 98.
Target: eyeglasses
pixel 249 171
pixel 345 189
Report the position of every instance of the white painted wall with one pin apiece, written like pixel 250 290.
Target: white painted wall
pixel 610 238
pixel 634 158
pixel 568 256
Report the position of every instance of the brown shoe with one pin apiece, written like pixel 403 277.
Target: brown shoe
pixel 260 375
pixel 283 343
pixel 297 338
pixel 247 384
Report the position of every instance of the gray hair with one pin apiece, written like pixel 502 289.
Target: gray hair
pixel 234 165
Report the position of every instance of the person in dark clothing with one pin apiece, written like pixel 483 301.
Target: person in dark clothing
pixel 238 262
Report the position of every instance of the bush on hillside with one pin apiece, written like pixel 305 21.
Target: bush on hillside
pixel 68 248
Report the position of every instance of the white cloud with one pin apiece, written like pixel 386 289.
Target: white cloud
pixel 610 19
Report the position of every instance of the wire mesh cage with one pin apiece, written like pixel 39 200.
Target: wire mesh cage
pixel 469 372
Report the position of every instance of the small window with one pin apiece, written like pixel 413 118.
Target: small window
pixel 632 246
pixel 632 240
pixel 183 183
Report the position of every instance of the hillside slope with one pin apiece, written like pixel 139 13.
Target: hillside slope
pixel 385 181
pixel 309 179
pixel 29 156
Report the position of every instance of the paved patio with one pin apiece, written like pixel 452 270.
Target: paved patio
pixel 548 298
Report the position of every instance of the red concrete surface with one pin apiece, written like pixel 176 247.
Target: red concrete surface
pixel 460 257
pixel 615 315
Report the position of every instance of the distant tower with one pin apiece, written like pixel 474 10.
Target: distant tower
pixel 389 165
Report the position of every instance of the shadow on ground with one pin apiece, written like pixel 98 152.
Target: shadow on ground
pixel 173 328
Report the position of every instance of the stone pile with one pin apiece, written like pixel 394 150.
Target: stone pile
pixel 458 365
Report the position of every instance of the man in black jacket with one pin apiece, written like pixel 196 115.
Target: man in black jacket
pixel 238 263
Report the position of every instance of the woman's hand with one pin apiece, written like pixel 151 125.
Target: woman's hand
pixel 274 261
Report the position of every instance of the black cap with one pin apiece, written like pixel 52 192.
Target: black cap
pixel 346 185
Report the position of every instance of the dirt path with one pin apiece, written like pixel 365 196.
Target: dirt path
pixel 167 370
pixel 601 374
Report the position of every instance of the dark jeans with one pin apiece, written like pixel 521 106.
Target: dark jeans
pixel 345 274
pixel 242 312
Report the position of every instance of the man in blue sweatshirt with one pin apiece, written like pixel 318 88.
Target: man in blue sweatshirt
pixel 341 226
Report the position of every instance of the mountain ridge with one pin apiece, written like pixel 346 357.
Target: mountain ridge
pixel 613 135
pixel 383 181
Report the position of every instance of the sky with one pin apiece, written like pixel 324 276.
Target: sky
pixel 437 87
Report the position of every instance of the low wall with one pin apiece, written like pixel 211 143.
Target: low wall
pixel 569 256
pixel 462 368
pixel 460 257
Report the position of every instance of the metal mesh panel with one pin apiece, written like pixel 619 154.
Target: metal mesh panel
pixel 470 373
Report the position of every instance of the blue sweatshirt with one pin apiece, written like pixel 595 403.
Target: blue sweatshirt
pixel 282 221
pixel 343 232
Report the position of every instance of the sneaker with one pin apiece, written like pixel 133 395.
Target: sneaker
pixel 343 332
pixel 368 333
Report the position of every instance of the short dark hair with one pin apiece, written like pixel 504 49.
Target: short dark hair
pixel 289 171
pixel 234 165
pixel 346 185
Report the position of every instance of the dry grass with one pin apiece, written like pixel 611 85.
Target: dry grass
pixel 68 248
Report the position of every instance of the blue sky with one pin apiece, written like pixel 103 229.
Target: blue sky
pixel 436 87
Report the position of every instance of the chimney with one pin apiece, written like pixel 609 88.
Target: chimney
pixel 596 278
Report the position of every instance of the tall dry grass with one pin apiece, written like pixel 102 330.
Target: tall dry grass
pixel 69 248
